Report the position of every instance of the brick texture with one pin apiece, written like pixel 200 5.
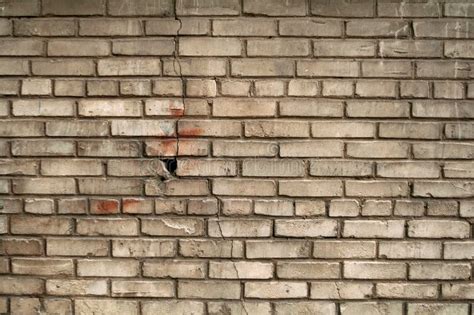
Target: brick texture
pixel 236 157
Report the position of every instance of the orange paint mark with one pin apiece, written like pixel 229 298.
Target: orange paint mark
pixel 177 112
pixel 130 202
pixel 191 132
pixel 104 206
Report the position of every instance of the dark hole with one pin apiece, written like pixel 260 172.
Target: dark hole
pixel 171 165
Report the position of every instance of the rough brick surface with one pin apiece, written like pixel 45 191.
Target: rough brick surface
pixel 237 157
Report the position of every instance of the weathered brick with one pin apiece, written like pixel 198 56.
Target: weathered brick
pixel 340 168
pixel 414 49
pixel 363 8
pixel 143 128
pixel 43 267
pixel 140 7
pixel 40 225
pixel 185 26
pixel 196 46
pixel 167 307
pixel 433 308
pixel 77 128
pixel 14 67
pixel 410 250
pixel 343 249
pixel 244 27
pixel 210 289
pixel 408 170
pixel 374 228
pixel 310 188
pixel 77 287
pixel 377 188
pixel 76 247
pixel 276 290
pixel 262 67
pixel 87 7
pixel 104 306
pixel 407 290
pixel 344 48
pixel 240 270
pixel 63 67
pixel 377 28
pixel 122 227
pixel 443 28
pixel 439 270
pixel 277 47
pixel 128 66
pixel 321 148
pixel 388 8
pixel 438 229
pixel 195 67
pixel 116 27
pixel 374 270
pixel 310 27
pixel 309 108
pixel 443 189
pixel 208 7
pixel 327 68
pixel 62 47
pixel 341 290
pixel 387 69
pixel 143 288
pixel 389 308
pixel 21 286
pixel 44 27
pixel 277 128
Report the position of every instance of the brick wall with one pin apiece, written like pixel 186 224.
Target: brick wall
pixel 236 157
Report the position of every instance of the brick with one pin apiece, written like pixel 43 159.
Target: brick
pixel 173 227
pixel 143 128
pixel 142 288
pixel 387 69
pixel 278 47
pixel 458 49
pixel 274 207
pixel 278 8
pixel 409 208
pixel 43 107
pixel 443 29
pixel 407 49
pixel 76 247
pixel 167 307
pixel 36 87
pixel 232 207
pixel 21 128
pixel 408 170
pixel 428 9
pixel 244 27
pixel 269 88
pixel 201 88
pixel 280 128
pixel 78 48
pixel 276 290
pixel 341 290
pixel 273 168
pixel 140 7
pixel 409 130
pixel 43 267
pixel 243 187
pixel 40 225
pixel 444 69
pixel 443 151
pixel 374 270
pixel 107 268
pixel 434 308
pixel 308 108
pixel 243 108
pixel 63 67
pixel 45 186
pixel 69 88
pixel 14 67
pixel 21 8
pixel 306 228
pixel 407 290
pixel 389 308
pixel 224 148
pixel 128 66
pixel 105 306
pixel 136 88
pixel 226 290
pixel 174 269
pixel 262 67
pixel 438 229
pixel 72 205
pixel 5 27
pixel 88 7
pixel 340 168
pixel 459 131
pixel 185 26
pixel 442 208
pixel 21 47
pixel 439 271
pixel 8 87
pixel 12 167
pixel 77 287
pixel 443 189
pixel 466 208
pixel 310 27
pixel 344 208
pixel 303 88
pixel 200 46
pixel 211 248
pixel 414 89
pixel 44 27
pixel 116 148
pixel 377 28
pixel 240 270
pixel 377 208
pixel 337 88
pixel 321 148
pixel 317 308
pixel 108 226
pixel 442 109
pixel 459 9
pixel 109 186
pixel 336 129
pixel 448 90
pixel 327 68
pixel 100 27
pixel 102 88
pixel 310 188
pixel 344 48
pixel 195 67
pixel 337 8
pixel 263 308
pixel 376 89
pixel 343 249
pixel 377 188
pixel 21 246
pixel 189 7
pixel 21 286
pixel 77 128
pixel 277 249
pixel 410 250
pixel 374 228
pixel 308 270
pixel 221 128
